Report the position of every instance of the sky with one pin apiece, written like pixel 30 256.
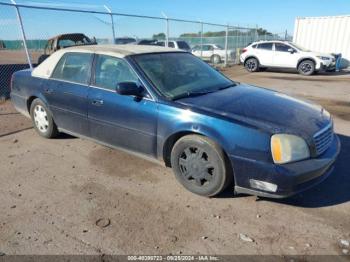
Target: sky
pixel 274 15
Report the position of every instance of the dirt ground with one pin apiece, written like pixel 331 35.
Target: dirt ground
pixel 72 196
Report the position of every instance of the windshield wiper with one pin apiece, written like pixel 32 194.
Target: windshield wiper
pixel 191 94
pixel 228 86
pixel 200 93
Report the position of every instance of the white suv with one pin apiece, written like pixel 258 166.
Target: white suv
pixel 283 54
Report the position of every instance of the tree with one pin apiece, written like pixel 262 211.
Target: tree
pixel 160 36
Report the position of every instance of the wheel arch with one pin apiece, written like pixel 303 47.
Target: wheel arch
pixel 173 138
pixel 251 56
pixel 306 58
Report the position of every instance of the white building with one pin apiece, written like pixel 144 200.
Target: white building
pixel 329 34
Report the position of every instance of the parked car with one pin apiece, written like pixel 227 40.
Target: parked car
pixel 179 44
pixel 63 41
pixel 2 45
pixel 171 106
pixel 125 40
pixel 213 53
pixel 283 54
pixel 146 42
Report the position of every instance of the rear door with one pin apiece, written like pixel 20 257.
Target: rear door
pixel 67 90
pixel 265 54
pixel 284 58
pixel 118 120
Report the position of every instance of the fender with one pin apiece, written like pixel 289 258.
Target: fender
pixel 251 56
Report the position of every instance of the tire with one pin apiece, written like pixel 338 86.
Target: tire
pixel 42 120
pixel 200 165
pixel 252 64
pixel 215 59
pixel 306 67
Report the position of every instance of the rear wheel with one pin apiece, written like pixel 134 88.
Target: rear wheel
pixel 252 64
pixel 306 67
pixel 42 119
pixel 200 165
pixel 215 59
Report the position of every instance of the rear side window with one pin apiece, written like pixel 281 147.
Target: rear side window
pixel 265 46
pixel 254 46
pixel 171 45
pixel 74 67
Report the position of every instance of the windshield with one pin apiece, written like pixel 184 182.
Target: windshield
pixel 180 74
pixel 219 47
pixel 299 47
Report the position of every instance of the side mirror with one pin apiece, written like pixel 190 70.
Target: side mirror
pixel 291 50
pixel 129 89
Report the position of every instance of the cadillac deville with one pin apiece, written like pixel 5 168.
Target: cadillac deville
pixel 168 105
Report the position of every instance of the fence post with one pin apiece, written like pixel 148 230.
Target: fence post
pixel 166 29
pixel 23 34
pixel 226 44
pixel 201 39
pixel 112 21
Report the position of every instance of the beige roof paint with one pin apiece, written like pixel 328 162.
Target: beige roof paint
pixel 45 69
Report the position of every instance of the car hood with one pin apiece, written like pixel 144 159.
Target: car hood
pixel 319 54
pixel 262 108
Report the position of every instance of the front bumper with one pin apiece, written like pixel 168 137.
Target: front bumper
pixel 327 66
pixel 290 178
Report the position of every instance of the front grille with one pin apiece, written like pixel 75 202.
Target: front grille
pixel 323 139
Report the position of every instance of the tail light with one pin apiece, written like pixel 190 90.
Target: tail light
pixel 244 50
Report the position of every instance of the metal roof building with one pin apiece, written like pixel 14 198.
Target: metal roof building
pixel 329 34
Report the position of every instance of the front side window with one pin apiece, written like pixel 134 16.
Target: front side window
pixel 110 71
pixel 265 46
pixel 178 74
pixel 281 47
pixel 74 67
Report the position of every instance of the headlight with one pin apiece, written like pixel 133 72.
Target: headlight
pixel 324 58
pixel 288 148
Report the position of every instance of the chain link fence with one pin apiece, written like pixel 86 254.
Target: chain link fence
pixel 29 34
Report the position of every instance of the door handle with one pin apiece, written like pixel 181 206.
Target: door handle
pixel 97 102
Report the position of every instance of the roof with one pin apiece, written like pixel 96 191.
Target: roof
pixel 66 36
pixel 121 50
pixel 45 69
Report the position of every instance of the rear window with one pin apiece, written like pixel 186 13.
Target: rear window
pixel 254 46
pixel 265 46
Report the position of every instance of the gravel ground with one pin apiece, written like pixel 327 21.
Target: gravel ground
pixel 72 196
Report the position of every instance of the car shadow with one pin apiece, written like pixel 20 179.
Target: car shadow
pixel 64 136
pixel 334 190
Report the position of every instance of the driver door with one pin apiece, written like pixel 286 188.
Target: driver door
pixel 118 120
pixel 284 58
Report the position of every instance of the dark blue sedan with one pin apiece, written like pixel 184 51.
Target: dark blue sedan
pixel 171 106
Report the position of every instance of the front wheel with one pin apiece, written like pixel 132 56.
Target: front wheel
pixel 252 65
pixel 200 165
pixel 306 67
pixel 42 119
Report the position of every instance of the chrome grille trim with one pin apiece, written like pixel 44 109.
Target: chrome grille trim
pixel 323 139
